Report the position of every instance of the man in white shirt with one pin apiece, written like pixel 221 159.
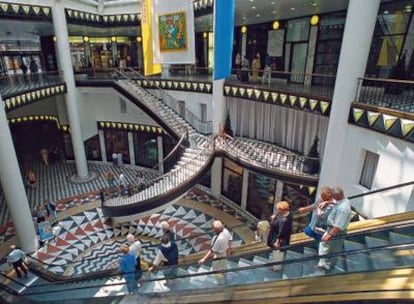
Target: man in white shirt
pixel 220 249
pixel 135 247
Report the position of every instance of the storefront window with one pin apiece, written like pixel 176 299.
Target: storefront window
pixel 93 150
pixel 117 149
pixel 260 196
pixel 146 149
pixel 232 181
pixel 387 48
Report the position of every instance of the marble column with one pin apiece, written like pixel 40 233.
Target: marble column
pixel 356 43
pixel 13 188
pixel 64 57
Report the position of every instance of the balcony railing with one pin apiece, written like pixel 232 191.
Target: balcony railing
pixel 388 93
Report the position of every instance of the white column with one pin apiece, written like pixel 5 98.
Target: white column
pixel 218 106
pixel 356 43
pixel 278 194
pixel 310 60
pixel 13 188
pixel 131 148
pixel 160 145
pixel 165 73
pixel 64 57
pixel 216 176
pixel 243 45
pixel 245 188
pixel 101 134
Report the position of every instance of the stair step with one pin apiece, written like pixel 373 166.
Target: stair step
pixel 356 262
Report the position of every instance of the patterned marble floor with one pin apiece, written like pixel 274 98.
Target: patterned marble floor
pixel 87 241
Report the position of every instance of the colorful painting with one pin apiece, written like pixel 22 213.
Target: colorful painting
pixel 172 32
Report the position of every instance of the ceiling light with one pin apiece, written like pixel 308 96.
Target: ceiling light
pixel 244 18
pixel 251 0
pixel 386 12
pixel 253 7
pixel 292 8
pixel 273 3
pixel 274 12
pixel 258 15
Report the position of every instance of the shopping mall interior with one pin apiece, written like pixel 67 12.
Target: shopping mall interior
pixel 318 94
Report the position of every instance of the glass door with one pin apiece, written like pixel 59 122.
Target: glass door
pixel 298 61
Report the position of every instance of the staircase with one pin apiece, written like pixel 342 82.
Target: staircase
pixel 194 162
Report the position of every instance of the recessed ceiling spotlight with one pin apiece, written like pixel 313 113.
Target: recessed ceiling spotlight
pixel 244 18
pixel 251 0
pixel 253 7
pixel 292 8
pixel 258 15
pixel 386 12
pixel 274 12
pixel 273 3
pixel 314 4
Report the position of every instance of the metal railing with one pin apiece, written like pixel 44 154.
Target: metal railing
pixel 270 156
pixel 163 184
pixel 203 127
pixel 12 85
pixel 389 93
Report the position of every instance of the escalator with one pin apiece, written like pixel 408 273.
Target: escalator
pixel 375 263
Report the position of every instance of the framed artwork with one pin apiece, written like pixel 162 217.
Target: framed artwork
pixel 172 32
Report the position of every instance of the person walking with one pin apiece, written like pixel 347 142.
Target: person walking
pixel 50 208
pixel 16 257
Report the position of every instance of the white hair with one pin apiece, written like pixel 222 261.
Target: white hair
pixel 130 238
pixel 165 225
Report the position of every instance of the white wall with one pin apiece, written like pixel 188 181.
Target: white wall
pixel 193 100
pixel 97 104
pixel 395 166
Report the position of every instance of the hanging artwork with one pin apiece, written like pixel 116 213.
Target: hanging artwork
pixel 172 32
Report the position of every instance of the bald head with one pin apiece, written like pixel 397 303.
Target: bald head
pixel 217 226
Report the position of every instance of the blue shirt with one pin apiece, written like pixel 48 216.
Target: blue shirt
pixel 127 263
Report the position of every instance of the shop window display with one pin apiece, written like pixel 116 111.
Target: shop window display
pixel 232 181
pixel 260 197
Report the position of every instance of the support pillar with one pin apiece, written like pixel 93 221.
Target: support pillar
pixel 218 107
pixel 131 148
pixel 101 134
pixel 359 27
pixel 13 188
pixel 245 188
pixel 160 146
pixel 64 57
pixel 216 176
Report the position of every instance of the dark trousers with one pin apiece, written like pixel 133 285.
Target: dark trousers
pixel 19 265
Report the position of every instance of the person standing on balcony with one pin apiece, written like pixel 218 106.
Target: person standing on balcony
pixel 338 221
pixel 267 74
pixel 280 231
pixel 237 65
pixel 256 65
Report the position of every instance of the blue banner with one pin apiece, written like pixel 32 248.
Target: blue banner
pixel 223 37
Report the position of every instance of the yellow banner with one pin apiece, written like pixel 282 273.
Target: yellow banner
pixel 146 26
